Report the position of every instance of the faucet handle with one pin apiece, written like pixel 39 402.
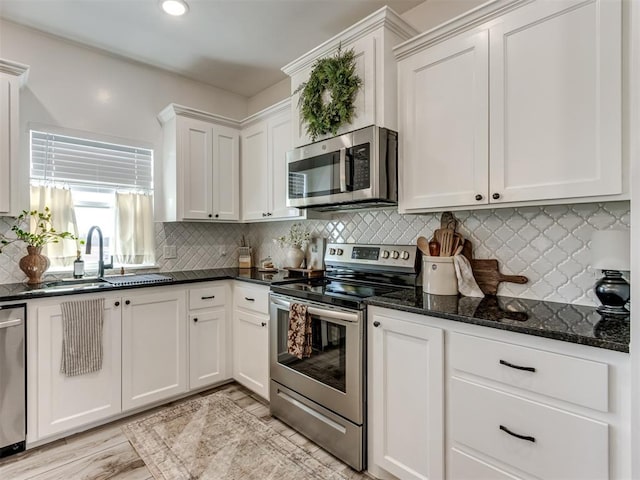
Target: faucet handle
pixel 110 264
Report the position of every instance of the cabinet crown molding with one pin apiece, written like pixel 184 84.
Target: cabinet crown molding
pixel 15 69
pixel 384 17
pixel 173 109
pixel 464 22
pixel 276 108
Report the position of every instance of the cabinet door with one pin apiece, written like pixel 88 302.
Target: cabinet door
pixel 280 142
pixel 251 351
pixel 195 167
pixel 255 172
pixel 154 361
pixel 406 398
pixel 6 128
pixel 64 403
pixel 443 106
pixel 226 173
pixel 556 101
pixel 365 108
pixel 207 347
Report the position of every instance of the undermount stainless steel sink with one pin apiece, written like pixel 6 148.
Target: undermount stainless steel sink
pixel 69 285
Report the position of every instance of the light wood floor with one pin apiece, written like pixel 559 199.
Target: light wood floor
pixel 105 453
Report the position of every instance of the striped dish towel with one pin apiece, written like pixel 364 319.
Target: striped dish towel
pixel 82 322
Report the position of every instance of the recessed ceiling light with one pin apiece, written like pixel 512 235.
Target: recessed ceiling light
pixel 174 7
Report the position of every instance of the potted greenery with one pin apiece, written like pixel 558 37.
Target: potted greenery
pixel 41 233
pixel 295 241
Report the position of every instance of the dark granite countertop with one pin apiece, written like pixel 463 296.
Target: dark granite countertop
pixel 21 291
pixel 560 321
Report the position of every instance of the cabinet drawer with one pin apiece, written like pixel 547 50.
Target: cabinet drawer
pixel 209 296
pixel 559 445
pixel 576 380
pixel 467 467
pixel 251 298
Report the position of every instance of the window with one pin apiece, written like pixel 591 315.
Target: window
pixel 95 171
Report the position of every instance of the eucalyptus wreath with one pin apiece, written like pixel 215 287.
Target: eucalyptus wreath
pixel 335 76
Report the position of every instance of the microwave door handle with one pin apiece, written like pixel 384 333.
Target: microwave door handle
pixel 343 169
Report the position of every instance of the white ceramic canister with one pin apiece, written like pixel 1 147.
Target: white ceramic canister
pixel 439 276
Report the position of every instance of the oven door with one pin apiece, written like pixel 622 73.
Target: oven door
pixel 333 376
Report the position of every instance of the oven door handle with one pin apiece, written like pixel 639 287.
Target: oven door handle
pixel 321 312
pixel 343 169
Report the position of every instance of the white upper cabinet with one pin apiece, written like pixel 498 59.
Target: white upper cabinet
pixel 444 124
pixel 12 74
pixel 372 40
pixel 513 104
pixel 200 172
pixel 555 107
pixel 266 138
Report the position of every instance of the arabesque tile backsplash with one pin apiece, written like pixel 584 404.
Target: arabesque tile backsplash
pixel 547 244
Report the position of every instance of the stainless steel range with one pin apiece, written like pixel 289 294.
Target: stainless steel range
pixel 323 396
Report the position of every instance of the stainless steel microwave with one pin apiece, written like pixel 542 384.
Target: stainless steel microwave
pixel 354 170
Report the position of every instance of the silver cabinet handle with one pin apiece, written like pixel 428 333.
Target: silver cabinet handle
pixel 11 323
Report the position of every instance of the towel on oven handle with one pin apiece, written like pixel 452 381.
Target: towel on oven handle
pixel 299 335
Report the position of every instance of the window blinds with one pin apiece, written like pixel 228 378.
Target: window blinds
pixel 90 164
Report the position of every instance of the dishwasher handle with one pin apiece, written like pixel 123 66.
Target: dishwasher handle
pixel 11 323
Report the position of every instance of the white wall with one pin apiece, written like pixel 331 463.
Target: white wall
pixel 269 96
pixel 80 88
pixel 633 26
pixel 432 13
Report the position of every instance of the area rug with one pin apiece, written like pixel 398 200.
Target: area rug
pixel 212 438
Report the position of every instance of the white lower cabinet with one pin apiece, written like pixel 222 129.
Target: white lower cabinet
pixel 406 415
pixel 154 346
pixel 58 402
pixel 208 335
pixel 535 438
pixel 251 337
pixel 502 405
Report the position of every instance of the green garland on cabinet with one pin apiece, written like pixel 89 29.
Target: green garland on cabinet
pixel 336 78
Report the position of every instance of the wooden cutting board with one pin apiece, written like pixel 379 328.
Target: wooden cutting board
pixel 488 276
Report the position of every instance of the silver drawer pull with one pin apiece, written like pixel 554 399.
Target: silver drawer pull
pixel 521 437
pixel 11 323
pixel 517 367
pixel 208 298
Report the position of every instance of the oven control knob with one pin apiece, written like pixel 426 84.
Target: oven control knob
pixel 405 255
pixel 395 254
pixel 385 253
pixel 332 251
pixel 339 251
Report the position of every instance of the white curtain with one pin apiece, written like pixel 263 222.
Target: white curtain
pixel 63 219
pixel 134 233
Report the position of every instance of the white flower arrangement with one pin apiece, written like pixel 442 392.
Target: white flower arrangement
pixel 297 237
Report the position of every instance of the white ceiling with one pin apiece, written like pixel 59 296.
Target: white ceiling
pixel 236 45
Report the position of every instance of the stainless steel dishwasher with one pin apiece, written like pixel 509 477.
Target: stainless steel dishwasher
pixel 12 379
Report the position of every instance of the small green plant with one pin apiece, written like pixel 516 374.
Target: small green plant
pixel 43 233
pixel 297 237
